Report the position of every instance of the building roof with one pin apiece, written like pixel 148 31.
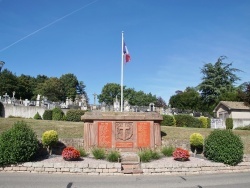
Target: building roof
pixel 232 105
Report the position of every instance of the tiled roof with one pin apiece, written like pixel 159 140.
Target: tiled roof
pixel 235 105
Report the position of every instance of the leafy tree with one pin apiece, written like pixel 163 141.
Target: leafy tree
pixel 217 79
pixel 26 85
pixel 160 102
pixel 109 93
pixel 8 83
pixel 188 100
pixel 51 88
pixel 80 90
pixel 69 84
pixel 245 94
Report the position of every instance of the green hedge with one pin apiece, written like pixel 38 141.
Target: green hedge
pixel 47 115
pixel 74 115
pixel 168 120
pixel 183 120
pixel 229 123
pixel 57 114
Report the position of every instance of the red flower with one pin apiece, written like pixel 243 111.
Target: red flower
pixel 181 154
pixel 70 153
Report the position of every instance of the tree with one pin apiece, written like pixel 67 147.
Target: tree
pixel 26 87
pixel 245 94
pixel 109 93
pixel 217 79
pixel 160 102
pixel 69 84
pixel 51 88
pixel 187 100
pixel 8 83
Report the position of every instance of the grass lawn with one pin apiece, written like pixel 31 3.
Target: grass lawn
pixel 66 129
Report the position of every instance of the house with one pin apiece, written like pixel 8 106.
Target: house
pixel 238 111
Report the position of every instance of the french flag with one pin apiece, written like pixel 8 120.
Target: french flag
pixel 126 53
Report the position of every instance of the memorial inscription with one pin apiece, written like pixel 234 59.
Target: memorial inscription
pixel 143 134
pixel 105 134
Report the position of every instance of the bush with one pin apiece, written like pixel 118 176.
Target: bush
pixel 57 114
pixel 113 156
pixel 167 151
pixel 98 153
pixel 181 154
pixel 70 154
pixel 47 115
pixel 37 116
pixel 208 123
pixel 183 120
pixel 74 115
pixel 204 121
pixel 18 144
pixel 243 128
pixel 229 123
pixel 223 146
pixel 168 120
pixel 196 142
pixel 49 138
pixel 147 155
pixel 83 153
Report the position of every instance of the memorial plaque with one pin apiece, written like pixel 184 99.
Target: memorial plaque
pixel 105 134
pixel 143 134
pixel 124 144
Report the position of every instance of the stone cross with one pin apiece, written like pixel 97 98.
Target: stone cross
pixel 123 129
pixel 6 96
pixel 94 97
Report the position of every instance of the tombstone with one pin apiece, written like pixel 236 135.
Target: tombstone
pixel 6 97
pixel 103 107
pixel 26 102
pixel 116 105
pixel 67 102
pixel 126 131
pixel 126 106
pixel 38 100
pixel 151 107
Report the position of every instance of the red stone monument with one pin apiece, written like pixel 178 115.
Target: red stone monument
pixel 122 130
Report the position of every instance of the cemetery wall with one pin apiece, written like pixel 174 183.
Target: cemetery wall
pixel 22 111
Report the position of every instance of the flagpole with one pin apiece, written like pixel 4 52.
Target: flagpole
pixel 122 63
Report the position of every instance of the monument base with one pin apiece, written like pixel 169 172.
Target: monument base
pixel 125 131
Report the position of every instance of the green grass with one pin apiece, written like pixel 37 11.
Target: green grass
pixel 66 129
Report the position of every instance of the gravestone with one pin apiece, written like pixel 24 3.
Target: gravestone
pixel 126 131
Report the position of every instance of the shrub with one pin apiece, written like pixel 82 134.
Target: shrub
pixel 98 153
pixel 184 120
pixel 37 116
pixel 168 120
pixel 243 128
pixel 57 114
pixel 204 121
pixel 147 155
pixel 208 123
pixel 113 156
pixel 70 154
pixel 196 142
pixel 223 146
pixel 83 153
pixel 47 115
pixel 74 115
pixel 181 154
pixel 49 138
pixel 167 151
pixel 18 144
pixel 229 123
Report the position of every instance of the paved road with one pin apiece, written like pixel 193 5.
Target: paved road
pixel 30 180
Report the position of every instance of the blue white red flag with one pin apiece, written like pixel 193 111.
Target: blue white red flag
pixel 126 53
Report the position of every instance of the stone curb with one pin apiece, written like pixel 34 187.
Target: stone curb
pixel 180 168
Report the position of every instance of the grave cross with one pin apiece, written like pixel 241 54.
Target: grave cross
pixel 94 97
pixel 5 97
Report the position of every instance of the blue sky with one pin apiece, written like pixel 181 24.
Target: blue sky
pixel 169 40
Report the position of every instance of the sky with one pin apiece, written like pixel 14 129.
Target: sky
pixel 169 41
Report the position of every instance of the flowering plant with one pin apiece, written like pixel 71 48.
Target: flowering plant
pixel 181 154
pixel 70 153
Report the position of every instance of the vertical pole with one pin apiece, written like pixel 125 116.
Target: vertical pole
pixel 122 74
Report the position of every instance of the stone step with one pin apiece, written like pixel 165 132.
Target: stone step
pixel 130 162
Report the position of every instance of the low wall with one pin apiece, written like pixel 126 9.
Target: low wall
pixel 241 122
